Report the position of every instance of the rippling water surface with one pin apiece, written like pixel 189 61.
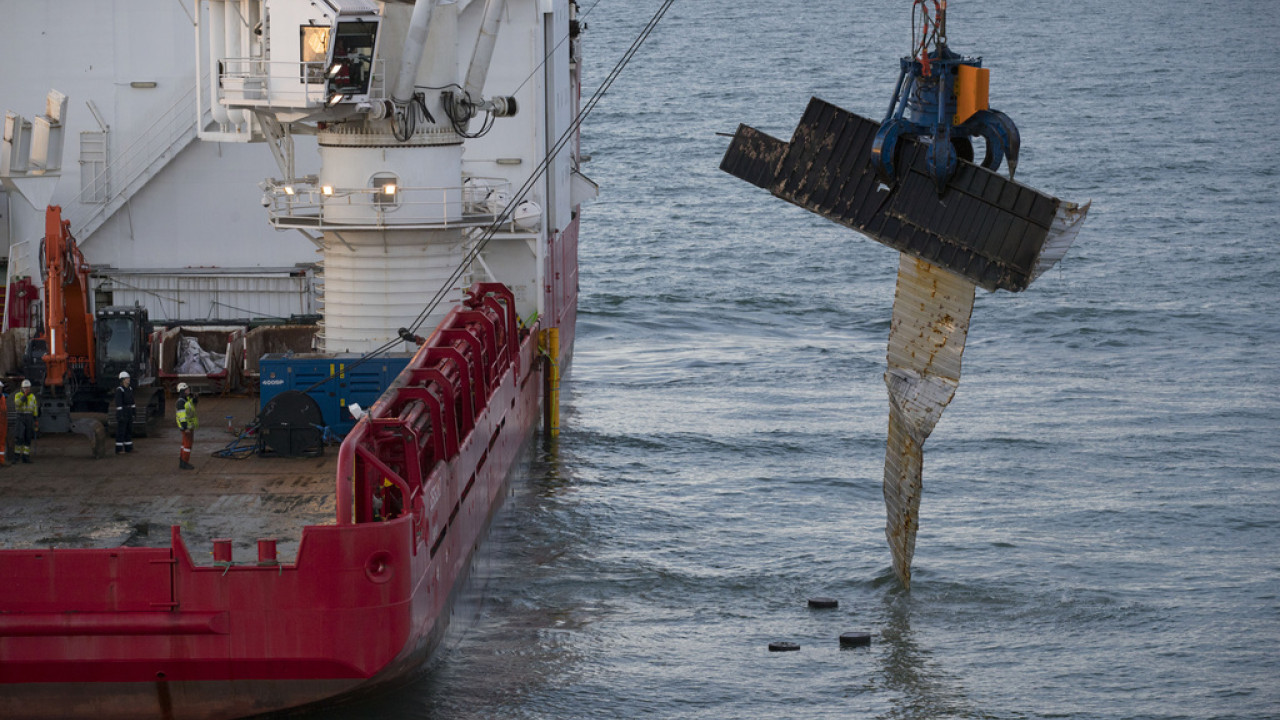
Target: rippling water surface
pixel 1100 530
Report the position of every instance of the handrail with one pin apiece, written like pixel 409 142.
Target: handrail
pixel 390 445
pixel 175 125
pixel 254 82
pixel 304 202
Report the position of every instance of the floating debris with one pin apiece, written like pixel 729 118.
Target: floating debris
pixel 855 639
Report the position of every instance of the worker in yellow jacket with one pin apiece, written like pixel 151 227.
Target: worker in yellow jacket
pixel 187 421
pixel 28 408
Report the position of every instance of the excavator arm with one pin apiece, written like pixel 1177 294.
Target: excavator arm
pixel 68 321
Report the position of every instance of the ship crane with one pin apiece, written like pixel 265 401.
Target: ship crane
pixel 910 183
pixel 393 94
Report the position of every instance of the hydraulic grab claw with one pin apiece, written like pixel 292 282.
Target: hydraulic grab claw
pixel 941 100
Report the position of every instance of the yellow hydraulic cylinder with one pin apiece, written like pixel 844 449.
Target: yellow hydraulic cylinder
pixel 971 86
pixel 551 382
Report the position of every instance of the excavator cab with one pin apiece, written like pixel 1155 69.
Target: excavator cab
pixel 123 344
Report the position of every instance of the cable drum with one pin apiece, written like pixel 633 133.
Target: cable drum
pixel 292 426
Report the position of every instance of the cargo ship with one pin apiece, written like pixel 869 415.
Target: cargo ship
pixel 427 152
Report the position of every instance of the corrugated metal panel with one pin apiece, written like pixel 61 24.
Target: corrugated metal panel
pixel 1066 226
pixel 986 227
pixel 173 297
pixel 754 157
pixel 931 311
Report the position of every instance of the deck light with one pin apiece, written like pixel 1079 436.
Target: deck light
pixel 327 190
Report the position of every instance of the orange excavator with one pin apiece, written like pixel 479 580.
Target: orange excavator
pixel 75 359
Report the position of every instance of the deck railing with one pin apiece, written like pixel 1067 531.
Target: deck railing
pixel 387 465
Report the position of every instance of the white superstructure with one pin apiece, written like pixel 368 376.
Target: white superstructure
pixel 423 142
pixel 369 192
pixel 150 206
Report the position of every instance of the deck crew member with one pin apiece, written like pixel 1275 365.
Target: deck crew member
pixel 186 414
pixel 4 427
pixel 28 411
pixel 124 415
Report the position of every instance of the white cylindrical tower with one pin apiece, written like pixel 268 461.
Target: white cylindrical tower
pixel 379 281
pixel 372 179
pixel 402 201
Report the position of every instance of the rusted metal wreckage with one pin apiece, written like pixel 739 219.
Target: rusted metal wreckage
pixel 982 230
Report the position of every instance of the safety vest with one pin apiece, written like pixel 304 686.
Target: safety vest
pixel 187 413
pixel 26 404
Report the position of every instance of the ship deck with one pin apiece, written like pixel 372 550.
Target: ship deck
pixel 67 499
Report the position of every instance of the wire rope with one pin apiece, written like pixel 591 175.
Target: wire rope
pixel 550 156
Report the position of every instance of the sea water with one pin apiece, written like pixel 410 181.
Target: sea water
pixel 1100 525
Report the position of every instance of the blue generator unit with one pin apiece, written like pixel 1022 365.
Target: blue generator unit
pixel 335 382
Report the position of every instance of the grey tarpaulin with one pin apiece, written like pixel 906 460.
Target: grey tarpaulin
pixel 195 360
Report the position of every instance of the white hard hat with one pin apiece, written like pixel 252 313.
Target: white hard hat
pixel 182 386
pixel 26 383
pixel 124 375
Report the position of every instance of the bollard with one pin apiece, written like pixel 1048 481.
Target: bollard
pixel 267 552
pixel 222 551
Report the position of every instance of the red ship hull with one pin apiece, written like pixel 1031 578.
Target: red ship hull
pixel 145 632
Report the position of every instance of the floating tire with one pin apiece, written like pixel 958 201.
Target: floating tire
pixel 823 603
pixel 855 639
pixel 783 646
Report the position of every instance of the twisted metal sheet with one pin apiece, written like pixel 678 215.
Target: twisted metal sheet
pixel 931 310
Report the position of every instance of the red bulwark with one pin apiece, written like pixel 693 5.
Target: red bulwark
pixel 145 632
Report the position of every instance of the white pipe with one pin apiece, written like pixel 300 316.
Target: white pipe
pixel 217 41
pixel 414 43
pixel 483 53
pixel 233 22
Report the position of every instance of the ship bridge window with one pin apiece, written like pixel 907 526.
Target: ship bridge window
pixel 386 190
pixel 352 64
pixel 315 50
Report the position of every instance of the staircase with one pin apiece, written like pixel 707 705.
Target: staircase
pixel 132 168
